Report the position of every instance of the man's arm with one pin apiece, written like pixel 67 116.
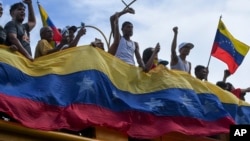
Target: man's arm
pixel 149 64
pixel 174 58
pixel 190 67
pixel 245 90
pixel 113 48
pixel 114 22
pixel 55 49
pixel 63 42
pixel 80 33
pixel 44 48
pixel 138 56
pixel 14 41
pixel 31 15
pixel 116 17
pixel 226 75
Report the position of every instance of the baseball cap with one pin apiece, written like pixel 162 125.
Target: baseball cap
pixel 163 62
pixel 73 28
pixel 186 44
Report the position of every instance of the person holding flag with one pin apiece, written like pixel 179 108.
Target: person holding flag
pixel 232 52
pixel 238 92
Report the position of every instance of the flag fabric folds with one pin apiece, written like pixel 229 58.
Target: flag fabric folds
pixel 228 49
pixel 85 86
pixel 47 22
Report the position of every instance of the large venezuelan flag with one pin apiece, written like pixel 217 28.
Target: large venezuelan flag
pixel 85 86
pixel 228 49
pixel 47 22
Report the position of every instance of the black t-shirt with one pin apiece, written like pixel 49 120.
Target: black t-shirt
pixel 22 32
pixel 2 35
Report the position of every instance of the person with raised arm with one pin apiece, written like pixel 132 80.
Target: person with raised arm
pixel 123 47
pixel 150 57
pixel 18 32
pixel 179 62
pixel 238 92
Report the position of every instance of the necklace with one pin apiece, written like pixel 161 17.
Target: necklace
pixel 129 44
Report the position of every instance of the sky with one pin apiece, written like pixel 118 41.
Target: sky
pixel 153 22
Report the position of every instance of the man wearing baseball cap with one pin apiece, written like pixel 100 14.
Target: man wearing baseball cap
pixel 179 62
pixel 72 30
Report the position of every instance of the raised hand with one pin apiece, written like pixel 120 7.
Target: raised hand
pixel 175 29
pixel 130 10
pixel 27 1
pixel 157 48
pixel 227 73
pixel 82 31
pixel 116 17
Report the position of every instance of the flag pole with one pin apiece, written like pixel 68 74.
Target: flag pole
pixel 212 49
pixel 90 26
pixel 209 61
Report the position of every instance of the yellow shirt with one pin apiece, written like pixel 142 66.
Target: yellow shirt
pixel 42 48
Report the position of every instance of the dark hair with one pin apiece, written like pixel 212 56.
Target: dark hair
pixel 229 86
pixel 198 68
pixel 222 84
pixel 147 53
pixel 126 23
pixel 43 29
pixel 15 6
pixel 73 28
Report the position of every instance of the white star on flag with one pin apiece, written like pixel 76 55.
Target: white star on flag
pixel 154 103
pixel 187 101
pixel 210 107
pixel 86 84
pixel 242 119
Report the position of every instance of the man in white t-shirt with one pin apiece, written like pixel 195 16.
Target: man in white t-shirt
pixel 123 47
pixel 179 62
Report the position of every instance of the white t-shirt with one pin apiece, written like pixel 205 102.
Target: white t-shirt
pixel 183 66
pixel 125 51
